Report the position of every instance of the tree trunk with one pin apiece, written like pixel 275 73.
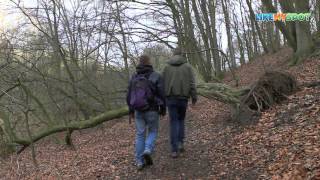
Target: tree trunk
pixel 124 49
pixel 305 44
pixel 270 38
pixel 246 39
pixel 229 35
pixel 205 39
pixel 191 44
pixel 282 27
pixel 252 16
pixel 253 37
pixel 277 39
pixel 287 7
pixel 240 44
pixel 213 39
pixel 176 22
pixel 318 9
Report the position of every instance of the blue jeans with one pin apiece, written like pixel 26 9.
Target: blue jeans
pixel 147 124
pixel 177 112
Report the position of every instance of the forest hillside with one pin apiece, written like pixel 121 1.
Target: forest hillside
pixel 282 144
pixel 72 72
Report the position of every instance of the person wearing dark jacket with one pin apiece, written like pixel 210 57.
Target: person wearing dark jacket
pixel 179 83
pixel 146 119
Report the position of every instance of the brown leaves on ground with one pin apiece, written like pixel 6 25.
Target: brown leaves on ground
pixel 283 144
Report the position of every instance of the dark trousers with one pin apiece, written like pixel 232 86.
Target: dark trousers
pixel 177 113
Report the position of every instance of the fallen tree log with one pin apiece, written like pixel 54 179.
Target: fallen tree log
pixel 77 125
pixel 246 103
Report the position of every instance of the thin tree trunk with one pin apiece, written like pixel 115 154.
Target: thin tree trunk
pixel 209 20
pixel 270 37
pixel 318 17
pixel 26 116
pixel 177 22
pixel 205 39
pixel 229 36
pixel 33 151
pixel 277 42
pixel 214 41
pixel 246 39
pixel 240 44
pixel 253 37
pixel 124 41
pixel 191 43
pixel 252 16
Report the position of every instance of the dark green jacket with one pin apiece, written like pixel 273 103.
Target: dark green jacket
pixel 179 79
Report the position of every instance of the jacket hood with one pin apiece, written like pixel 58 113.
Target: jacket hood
pixel 144 69
pixel 177 60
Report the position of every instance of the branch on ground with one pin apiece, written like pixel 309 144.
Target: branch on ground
pixel 85 124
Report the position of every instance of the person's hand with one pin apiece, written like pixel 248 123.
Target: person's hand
pixel 194 101
pixel 162 111
pixel 131 116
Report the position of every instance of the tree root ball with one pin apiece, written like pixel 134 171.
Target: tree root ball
pixel 273 87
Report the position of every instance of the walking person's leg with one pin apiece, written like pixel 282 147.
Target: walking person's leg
pixel 182 108
pixel 152 119
pixel 140 138
pixel 173 113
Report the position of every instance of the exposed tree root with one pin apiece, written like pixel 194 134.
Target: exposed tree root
pixel 271 88
pixel 248 103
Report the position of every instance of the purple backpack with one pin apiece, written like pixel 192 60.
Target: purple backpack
pixel 141 92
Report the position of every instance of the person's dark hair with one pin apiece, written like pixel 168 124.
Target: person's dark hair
pixel 177 51
pixel 145 60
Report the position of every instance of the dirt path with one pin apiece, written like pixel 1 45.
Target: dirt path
pixel 194 163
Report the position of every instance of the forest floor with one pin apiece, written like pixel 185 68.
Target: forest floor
pixel 283 144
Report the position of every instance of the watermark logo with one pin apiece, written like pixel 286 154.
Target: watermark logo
pixel 283 17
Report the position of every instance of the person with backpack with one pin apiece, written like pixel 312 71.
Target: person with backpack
pixel 146 102
pixel 179 83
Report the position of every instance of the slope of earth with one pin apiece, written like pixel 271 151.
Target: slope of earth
pixel 250 72
pixel 283 144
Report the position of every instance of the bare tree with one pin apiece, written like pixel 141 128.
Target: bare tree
pixel 252 16
pixel 229 35
pixel 297 33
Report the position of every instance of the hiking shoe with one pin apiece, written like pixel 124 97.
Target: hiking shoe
pixel 140 167
pixel 181 147
pixel 174 155
pixel 147 158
